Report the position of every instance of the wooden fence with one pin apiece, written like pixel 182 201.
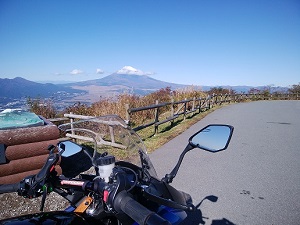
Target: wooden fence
pixel 197 105
pixel 169 111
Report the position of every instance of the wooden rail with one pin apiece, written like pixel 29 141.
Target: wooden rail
pixel 184 108
pixel 197 105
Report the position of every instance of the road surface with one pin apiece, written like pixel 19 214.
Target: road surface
pixel 256 180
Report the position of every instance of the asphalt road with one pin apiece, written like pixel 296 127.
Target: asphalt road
pixel 256 180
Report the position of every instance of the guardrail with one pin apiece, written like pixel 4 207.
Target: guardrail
pixel 169 111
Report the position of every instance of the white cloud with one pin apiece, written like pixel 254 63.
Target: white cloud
pixel 99 71
pixel 76 72
pixel 132 71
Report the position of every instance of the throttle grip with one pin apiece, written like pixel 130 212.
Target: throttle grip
pixel 139 213
pixel 9 188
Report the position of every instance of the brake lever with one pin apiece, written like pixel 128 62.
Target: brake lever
pixel 49 165
pixel 33 185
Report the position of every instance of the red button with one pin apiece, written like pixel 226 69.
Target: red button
pixel 105 195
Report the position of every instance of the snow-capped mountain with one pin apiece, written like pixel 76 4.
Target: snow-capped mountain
pixel 133 71
pixel 129 78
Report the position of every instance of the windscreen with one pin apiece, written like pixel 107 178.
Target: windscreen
pixel 109 135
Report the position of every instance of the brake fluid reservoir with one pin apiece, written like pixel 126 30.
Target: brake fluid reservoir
pixel 106 165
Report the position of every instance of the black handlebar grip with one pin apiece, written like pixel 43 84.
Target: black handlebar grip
pixel 9 188
pixel 140 214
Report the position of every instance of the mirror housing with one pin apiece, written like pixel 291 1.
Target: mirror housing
pixel 212 138
pixel 74 160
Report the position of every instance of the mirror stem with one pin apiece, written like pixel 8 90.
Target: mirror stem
pixel 169 177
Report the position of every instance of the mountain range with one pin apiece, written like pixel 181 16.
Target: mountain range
pixel 20 87
pixel 123 83
pixel 85 91
pixel 92 90
pixel 129 80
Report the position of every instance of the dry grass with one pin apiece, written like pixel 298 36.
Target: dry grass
pixel 116 105
pixel 169 131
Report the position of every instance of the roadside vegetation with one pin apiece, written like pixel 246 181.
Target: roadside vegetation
pixel 116 105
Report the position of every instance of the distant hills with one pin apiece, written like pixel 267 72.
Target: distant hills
pixel 86 91
pixel 130 83
pixel 93 90
pixel 20 87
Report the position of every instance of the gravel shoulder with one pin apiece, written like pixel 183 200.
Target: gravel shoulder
pixel 14 205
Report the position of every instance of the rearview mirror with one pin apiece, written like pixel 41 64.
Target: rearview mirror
pixel 68 148
pixel 74 160
pixel 212 138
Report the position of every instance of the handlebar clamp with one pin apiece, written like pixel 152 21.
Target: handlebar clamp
pixel 28 188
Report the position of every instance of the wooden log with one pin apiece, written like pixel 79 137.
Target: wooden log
pixel 16 152
pixel 23 165
pixel 28 135
pixel 14 178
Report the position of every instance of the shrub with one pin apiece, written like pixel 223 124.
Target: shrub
pixel 41 107
pixel 78 108
pixel 295 88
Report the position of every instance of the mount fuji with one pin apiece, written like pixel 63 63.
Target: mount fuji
pixel 127 79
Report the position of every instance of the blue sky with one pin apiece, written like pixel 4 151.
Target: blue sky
pixel 216 42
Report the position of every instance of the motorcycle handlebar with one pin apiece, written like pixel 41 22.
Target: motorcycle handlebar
pixel 9 188
pixel 124 203
pixel 51 161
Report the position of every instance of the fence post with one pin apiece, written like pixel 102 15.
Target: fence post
pixel 194 102
pixel 72 126
pixel 172 110
pixel 127 114
pixel 156 118
pixel 112 136
pixel 200 105
pixel 214 100
pixel 184 112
